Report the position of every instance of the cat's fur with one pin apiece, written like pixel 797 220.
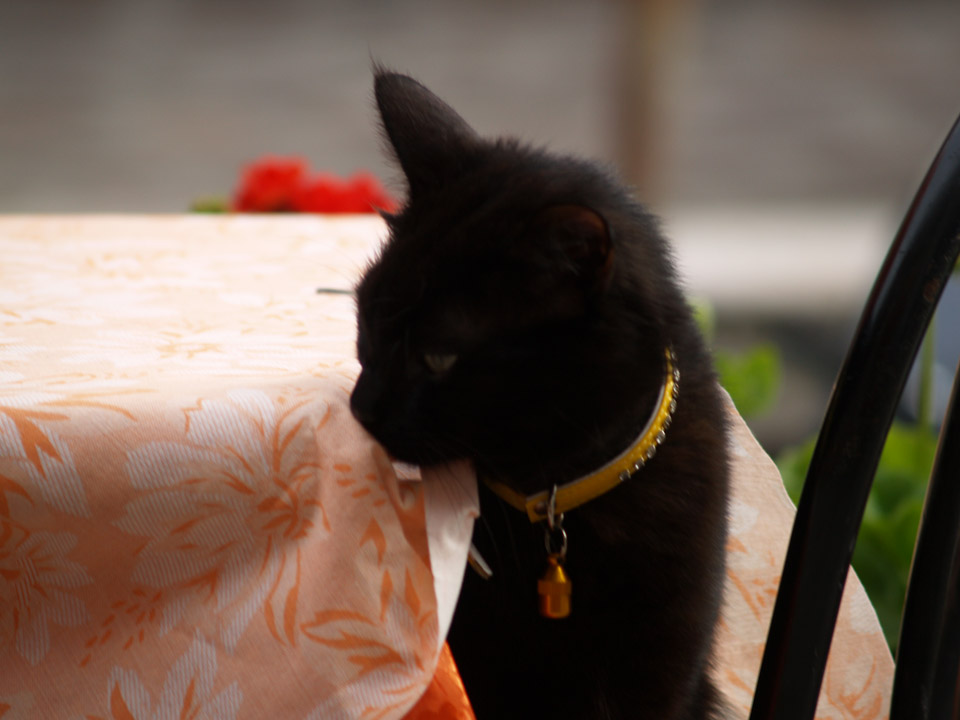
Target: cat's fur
pixel 555 291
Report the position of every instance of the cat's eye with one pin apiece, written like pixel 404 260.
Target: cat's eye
pixel 439 363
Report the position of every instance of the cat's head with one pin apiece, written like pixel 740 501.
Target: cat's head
pixel 518 313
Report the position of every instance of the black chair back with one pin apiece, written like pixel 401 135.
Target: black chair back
pixel 841 472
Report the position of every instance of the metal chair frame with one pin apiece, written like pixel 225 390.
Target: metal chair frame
pixel 859 415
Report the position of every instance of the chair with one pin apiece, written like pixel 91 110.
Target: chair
pixel 861 409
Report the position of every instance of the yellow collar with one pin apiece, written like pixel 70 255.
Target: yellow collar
pixel 618 470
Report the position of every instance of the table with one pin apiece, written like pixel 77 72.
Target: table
pixel 189 518
pixel 191 523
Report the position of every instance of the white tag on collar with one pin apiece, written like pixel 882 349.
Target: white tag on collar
pixel 479 565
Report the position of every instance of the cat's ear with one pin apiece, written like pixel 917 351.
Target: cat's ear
pixel 430 140
pixel 583 237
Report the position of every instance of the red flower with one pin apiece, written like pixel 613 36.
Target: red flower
pixel 327 193
pixel 282 185
pixel 269 185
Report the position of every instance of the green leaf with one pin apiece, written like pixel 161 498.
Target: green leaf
pixel 705 317
pixel 752 378
pixel 210 205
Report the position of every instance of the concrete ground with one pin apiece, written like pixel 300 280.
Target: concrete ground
pixel 816 107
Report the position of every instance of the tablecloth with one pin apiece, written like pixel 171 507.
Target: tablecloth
pixel 192 525
pixel 859 671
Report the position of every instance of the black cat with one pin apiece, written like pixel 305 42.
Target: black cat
pixel 525 314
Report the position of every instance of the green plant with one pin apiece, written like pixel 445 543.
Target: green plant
pixel 888 532
pixel 752 376
pixel 885 542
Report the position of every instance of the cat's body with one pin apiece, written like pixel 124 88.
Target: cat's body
pixel 519 317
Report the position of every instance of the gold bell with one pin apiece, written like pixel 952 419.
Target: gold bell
pixel 554 588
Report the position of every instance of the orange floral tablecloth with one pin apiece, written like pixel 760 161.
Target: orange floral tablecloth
pixel 859 671
pixel 191 524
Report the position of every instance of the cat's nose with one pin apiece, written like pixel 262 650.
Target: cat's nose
pixel 363 402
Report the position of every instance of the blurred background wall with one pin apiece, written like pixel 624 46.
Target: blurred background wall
pixel 819 118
